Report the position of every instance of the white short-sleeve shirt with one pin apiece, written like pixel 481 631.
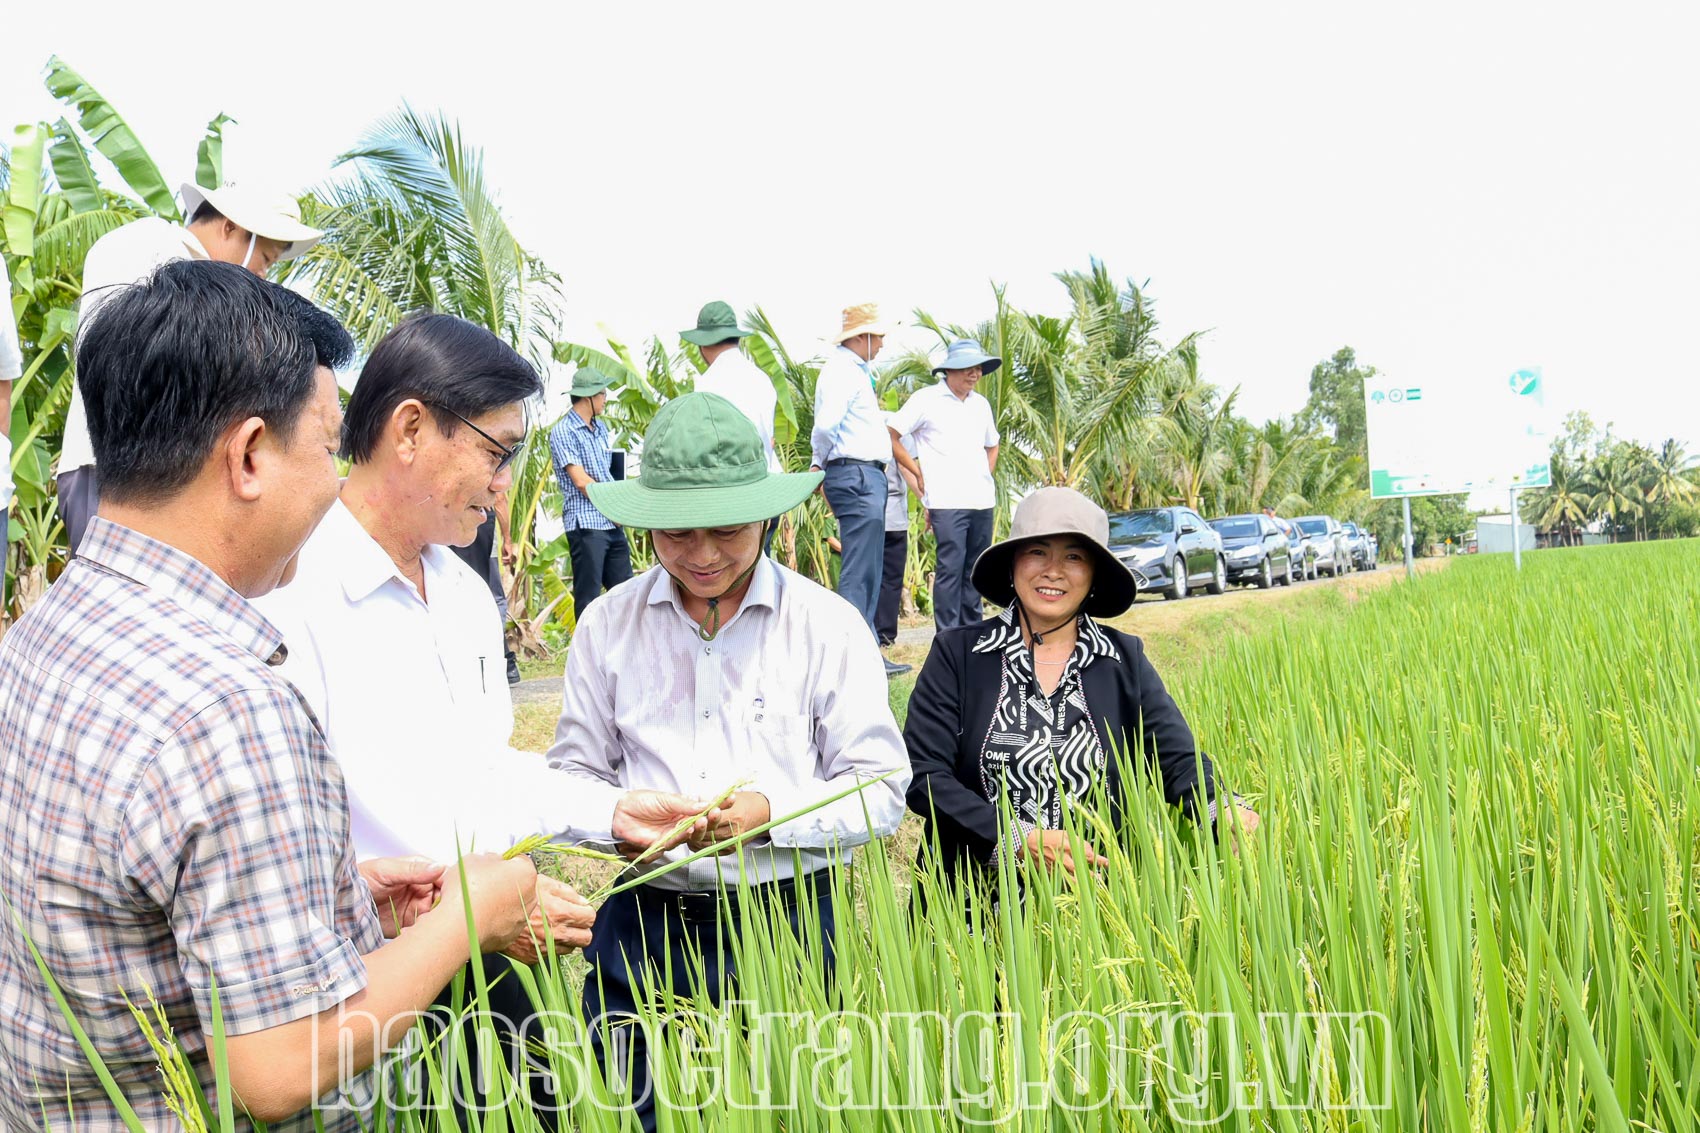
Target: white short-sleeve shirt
pixel 951 437
pixel 743 383
pixel 123 256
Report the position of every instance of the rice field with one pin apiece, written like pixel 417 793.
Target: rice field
pixel 1473 904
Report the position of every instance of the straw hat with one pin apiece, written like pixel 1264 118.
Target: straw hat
pixel 1059 511
pixel 273 215
pixel 863 318
pixel 704 465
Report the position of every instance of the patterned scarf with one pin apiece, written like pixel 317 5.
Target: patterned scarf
pixel 1036 742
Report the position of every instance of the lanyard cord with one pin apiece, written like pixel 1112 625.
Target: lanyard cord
pixel 711 623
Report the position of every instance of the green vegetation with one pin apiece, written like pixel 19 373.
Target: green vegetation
pixel 1473 902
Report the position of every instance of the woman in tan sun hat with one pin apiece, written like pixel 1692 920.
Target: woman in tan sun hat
pixel 851 445
pixel 1037 702
pixel 251 227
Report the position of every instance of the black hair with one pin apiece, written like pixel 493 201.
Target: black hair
pixel 166 365
pixel 449 364
pixel 205 211
pixel 333 347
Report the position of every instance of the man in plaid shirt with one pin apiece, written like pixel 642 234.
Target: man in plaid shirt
pixel 171 819
pixel 582 449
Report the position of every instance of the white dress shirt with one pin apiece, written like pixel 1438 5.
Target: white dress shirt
pixel 413 696
pixel 951 436
pixel 11 368
pixel 790 695
pixel 897 494
pixel 743 383
pixel 849 424
pixel 123 256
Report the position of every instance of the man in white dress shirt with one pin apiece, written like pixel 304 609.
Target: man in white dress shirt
pixel 955 453
pixel 851 445
pixel 253 228
pixel 11 368
pixel 390 636
pixel 733 376
pixel 719 667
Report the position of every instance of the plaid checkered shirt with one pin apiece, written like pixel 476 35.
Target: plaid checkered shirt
pixel 170 816
pixel 590 447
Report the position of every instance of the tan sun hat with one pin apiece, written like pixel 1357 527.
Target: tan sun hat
pixel 1059 511
pixel 863 318
pixel 273 215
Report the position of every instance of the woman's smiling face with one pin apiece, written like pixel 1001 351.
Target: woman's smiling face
pixel 1053 576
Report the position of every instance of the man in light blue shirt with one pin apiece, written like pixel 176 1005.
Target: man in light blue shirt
pixel 851 445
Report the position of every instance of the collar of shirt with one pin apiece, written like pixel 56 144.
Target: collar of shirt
pixel 763 593
pixel 160 566
pixel 364 564
pixel 861 363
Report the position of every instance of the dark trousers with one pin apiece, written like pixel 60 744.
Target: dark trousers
pixel 79 497
pixel 601 559
pixel 641 935
pixel 962 534
pixel 511 1015
pixel 856 494
pixel 891 585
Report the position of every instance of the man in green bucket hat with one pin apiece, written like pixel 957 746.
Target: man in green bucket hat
pixel 720 667
pixel 582 449
pixel 733 376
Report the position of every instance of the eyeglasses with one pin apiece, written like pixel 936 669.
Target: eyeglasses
pixel 507 454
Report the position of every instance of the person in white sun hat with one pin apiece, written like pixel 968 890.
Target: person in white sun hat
pixel 242 224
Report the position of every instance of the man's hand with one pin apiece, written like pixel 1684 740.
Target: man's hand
pixel 1243 823
pixel 502 892
pixel 559 913
pixel 747 810
pixel 510 555
pixel 403 889
pixel 1052 847
pixel 643 818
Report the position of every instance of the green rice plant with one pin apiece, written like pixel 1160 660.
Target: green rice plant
pixel 1473 903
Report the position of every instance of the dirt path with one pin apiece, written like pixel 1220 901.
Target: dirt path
pixel 1155 615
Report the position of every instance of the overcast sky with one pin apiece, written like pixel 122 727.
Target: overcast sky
pixel 1453 191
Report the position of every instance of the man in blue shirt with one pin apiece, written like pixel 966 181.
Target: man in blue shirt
pixel 582 449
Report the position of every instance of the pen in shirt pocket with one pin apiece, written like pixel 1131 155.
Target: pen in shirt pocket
pixel 482 687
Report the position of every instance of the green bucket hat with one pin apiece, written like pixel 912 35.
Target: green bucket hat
pixel 715 323
pixel 703 466
pixel 588 382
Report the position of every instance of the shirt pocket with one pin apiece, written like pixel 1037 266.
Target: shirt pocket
pixel 771 740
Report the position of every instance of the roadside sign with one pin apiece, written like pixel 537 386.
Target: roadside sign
pixel 1442 437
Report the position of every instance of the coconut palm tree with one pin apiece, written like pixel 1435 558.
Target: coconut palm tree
pixel 412 224
pixel 1614 486
pixel 1670 477
pixel 1563 504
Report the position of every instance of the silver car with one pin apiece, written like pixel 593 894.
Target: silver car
pixel 1333 556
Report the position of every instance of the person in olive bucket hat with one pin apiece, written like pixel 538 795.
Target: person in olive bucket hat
pixel 581 448
pixel 718 668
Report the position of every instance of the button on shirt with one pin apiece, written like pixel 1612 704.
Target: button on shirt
pixel 743 383
pixel 591 447
pixel 849 424
pixel 951 435
pixel 790 695
pixel 169 816
pixel 413 695
pixel 123 256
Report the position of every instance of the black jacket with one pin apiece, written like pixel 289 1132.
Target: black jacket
pixel 951 709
